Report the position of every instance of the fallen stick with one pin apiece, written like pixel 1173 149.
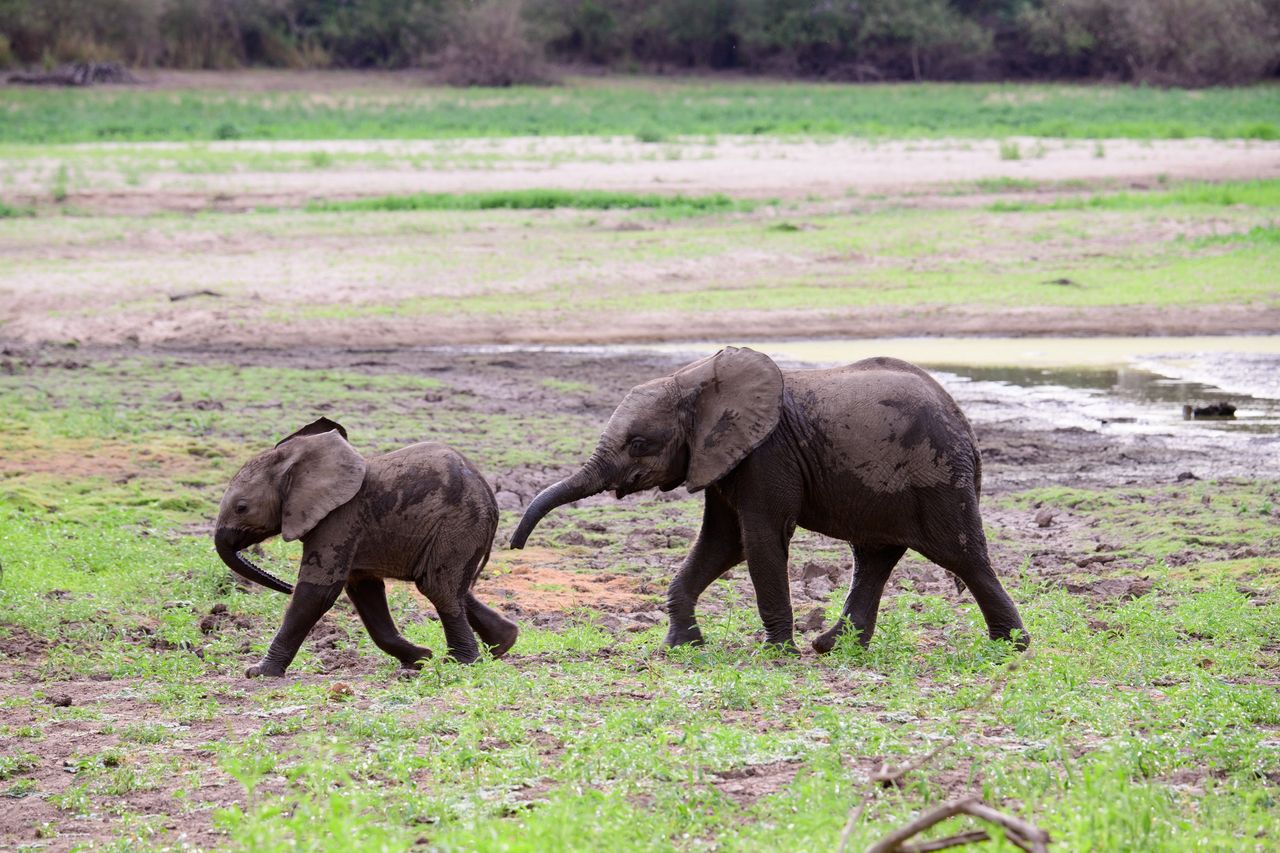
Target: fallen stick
pixel 973 836
pixel 1027 836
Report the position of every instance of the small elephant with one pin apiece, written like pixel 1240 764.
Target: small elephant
pixel 875 453
pixel 422 514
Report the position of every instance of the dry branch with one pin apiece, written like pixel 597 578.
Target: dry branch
pixel 1025 835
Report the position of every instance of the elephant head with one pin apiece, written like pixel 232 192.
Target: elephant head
pixel 288 490
pixel 692 427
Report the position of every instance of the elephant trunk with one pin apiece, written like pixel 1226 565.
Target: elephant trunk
pixel 588 480
pixel 225 543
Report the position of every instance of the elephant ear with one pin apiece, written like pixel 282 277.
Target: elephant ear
pixel 320 473
pixel 736 400
pixel 316 427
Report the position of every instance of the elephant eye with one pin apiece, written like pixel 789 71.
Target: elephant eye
pixel 639 446
pixel 242 508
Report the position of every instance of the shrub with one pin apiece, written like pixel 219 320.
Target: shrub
pixel 489 45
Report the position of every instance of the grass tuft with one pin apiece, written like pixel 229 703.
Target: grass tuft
pixel 548 199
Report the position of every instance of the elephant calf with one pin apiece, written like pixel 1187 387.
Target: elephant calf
pixel 875 453
pixel 422 514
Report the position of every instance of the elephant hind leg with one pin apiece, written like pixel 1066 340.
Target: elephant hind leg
pixel 496 631
pixel 970 563
pixel 369 595
pixel 871 569
pixel 447 585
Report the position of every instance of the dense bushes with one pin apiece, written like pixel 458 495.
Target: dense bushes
pixel 502 41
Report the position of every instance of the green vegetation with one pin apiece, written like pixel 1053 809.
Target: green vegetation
pixel 633 108
pixel 536 200
pixel 1261 193
pixel 1139 722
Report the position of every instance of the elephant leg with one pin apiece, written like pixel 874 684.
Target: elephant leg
pixel 717 549
pixel 447 591
pixel 871 569
pixel 308 603
pixel 496 631
pixel 369 595
pixel 767 547
pixel 972 565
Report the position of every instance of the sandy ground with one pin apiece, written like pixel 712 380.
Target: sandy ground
pixel 738 166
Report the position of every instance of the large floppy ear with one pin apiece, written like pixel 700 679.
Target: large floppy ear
pixel 736 399
pixel 316 427
pixel 318 473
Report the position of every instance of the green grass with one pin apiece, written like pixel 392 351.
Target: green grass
pixel 1261 193
pixel 536 199
pixel 634 108
pixel 9 211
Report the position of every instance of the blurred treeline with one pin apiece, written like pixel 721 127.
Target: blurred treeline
pixel 1187 42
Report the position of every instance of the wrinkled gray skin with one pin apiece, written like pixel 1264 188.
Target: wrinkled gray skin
pixel 422 514
pixel 875 453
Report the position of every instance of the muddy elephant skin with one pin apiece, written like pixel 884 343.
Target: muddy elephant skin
pixel 875 453
pixel 421 514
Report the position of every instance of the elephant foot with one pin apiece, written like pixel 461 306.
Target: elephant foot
pixel 414 659
pixel 688 637
pixel 826 642
pixel 1021 642
pixel 505 641
pixel 783 645
pixel 265 669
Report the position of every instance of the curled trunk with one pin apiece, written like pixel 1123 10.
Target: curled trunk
pixel 585 482
pixel 242 566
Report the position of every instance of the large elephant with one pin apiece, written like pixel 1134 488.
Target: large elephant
pixel 875 453
pixel 422 514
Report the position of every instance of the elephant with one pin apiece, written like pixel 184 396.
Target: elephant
pixel 422 513
pixel 875 453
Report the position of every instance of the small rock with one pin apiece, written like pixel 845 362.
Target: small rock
pixel 1045 517
pixel 172 397
pixel 207 406
pixel 60 700
pixel 819 588
pixel 610 622
pixel 1185 476
pixel 340 692
pixel 811 621
pixel 432 397
pixel 596 527
pixel 573 537
pixel 650 617
pixel 217 608
pixel 814 569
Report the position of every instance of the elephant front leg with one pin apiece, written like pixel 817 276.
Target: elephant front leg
pixel 369 595
pixel 871 569
pixel 718 549
pixel 307 604
pixel 767 551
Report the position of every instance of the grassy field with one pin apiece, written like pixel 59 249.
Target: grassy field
pixel 1146 718
pixel 649 109
pixel 434 269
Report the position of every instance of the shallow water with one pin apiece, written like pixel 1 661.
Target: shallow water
pixel 1120 384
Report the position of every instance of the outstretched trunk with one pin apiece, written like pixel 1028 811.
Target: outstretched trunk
pixel 586 481
pixel 241 565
